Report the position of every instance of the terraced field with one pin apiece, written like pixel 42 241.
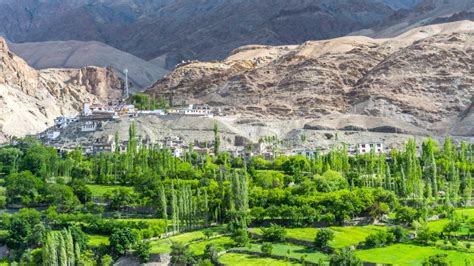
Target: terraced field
pixel 407 254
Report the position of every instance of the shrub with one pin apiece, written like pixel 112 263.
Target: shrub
pixel 323 237
pixel 345 257
pixel 143 250
pixel 399 233
pixel 267 249
pixel 379 239
pixel 241 237
pixel 437 260
pixel 274 233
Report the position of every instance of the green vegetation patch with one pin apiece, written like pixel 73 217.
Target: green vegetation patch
pixel 343 236
pixel 221 243
pixel 100 190
pixel 97 240
pixel 235 259
pixel 295 251
pixel 407 254
pixel 352 235
pixel 164 245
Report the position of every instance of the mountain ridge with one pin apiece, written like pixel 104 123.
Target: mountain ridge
pixel 385 78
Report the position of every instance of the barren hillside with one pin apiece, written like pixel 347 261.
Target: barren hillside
pixel 31 99
pixel 422 78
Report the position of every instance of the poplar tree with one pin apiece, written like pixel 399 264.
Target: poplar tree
pixel 217 140
pixel 69 244
pixel 206 209
pixel 174 209
pixel 132 139
pixel 50 255
pixel 164 206
pixel 62 250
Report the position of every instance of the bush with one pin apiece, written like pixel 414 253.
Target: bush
pixel 267 249
pixel 406 215
pixel 425 236
pixel 143 250
pixel 181 255
pixel 323 237
pixel 274 233
pixel 241 237
pixel 211 252
pixel 399 233
pixel 122 240
pixel 437 260
pixel 379 239
pixel 345 257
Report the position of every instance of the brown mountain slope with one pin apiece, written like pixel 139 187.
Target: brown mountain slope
pixel 31 99
pixel 76 54
pixel 423 78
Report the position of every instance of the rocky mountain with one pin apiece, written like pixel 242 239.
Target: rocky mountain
pixel 426 12
pixel 31 99
pixel 77 54
pixel 418 82
pixel 189 29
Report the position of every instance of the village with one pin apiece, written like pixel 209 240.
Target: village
pixel 94 117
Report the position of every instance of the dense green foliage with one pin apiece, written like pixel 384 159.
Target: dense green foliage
pixel 406 186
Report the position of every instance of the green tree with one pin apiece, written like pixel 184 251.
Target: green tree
pixel 211 252
pixel 181 255
pixel 345 257
pixel 241 237
pixel 143 251
pixel 121 240
pixel 217 140
pixel 106 260
pixel 323 237
pixel 23 188
pixel 274 233
pixel 437 260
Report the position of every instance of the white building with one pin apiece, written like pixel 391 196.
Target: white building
pixel 178 152
pixel 194 110
pixel 52 135
pixel 89 109
pixel 364 148
pixel 151 112
pixel 89 126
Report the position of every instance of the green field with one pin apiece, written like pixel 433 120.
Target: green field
pixel 164 245
pixel 407 254
pixel 295 252
pixel 343 236
pixel 439 225
pixel 100 190
pixel 235 259
pixel 469 212
pixel 221 243
pixel 348 236
pixel 97 240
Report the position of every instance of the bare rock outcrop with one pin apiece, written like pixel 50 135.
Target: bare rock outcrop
pixel 31 99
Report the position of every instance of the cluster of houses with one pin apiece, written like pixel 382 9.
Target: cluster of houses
pixel 94 116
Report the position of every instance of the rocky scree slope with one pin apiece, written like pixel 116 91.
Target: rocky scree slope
pixel 31 99
pixel 419 82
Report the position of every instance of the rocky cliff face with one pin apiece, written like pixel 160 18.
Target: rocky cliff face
pixel 31 99
pixel 417 82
